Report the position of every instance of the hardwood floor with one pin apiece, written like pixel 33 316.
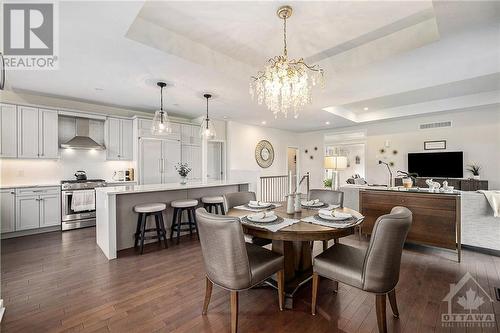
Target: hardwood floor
pixel 62 282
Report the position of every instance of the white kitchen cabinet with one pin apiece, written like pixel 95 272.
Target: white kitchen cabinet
pixel 27 212
pixel 171 156
pixel 150 161
pixel 7 210
pixel 37 207
pixel 190 134
pixel 119 139
pixel 37 133
pixel 50 208
pixel 27 132
pixel 192 156
pixel 8 128
pixel 48 145
pixel 157 160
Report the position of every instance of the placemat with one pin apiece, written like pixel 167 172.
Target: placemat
pixel 349 223
pixel 274 226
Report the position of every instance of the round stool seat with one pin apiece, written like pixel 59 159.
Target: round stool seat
pixel 184 203
pixel 212 200
pixel 150 207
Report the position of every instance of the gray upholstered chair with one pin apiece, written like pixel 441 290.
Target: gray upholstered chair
pixel 327 196
pixel 232 263
pixel 376 269
pixel 241 198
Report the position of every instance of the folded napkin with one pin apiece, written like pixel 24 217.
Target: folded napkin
pixel 334 213
pixel 310 202
pixel 332 224
pixel 272 227
pixel 262 215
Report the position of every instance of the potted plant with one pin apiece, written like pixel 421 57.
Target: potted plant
pixel 474 168
pixel 327 183
pixel 183 170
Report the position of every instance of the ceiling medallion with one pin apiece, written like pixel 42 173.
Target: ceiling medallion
pixel 285 85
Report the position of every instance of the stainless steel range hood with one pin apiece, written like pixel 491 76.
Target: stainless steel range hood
pixel 82 140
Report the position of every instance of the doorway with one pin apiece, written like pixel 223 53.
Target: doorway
pixel 291 154
pixel 215 161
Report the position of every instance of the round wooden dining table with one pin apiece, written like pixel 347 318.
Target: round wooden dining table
pixel 294 243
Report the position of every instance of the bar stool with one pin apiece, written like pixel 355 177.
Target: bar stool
pixel 145 210
pixel 214 205
pixel 179 206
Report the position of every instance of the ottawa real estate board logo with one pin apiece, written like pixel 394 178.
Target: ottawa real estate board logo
pixel 469 305
pixel 30 35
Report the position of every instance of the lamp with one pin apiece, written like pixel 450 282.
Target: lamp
pixel 207 128
pixel 161 124
pixel 335 163
pixel 390 172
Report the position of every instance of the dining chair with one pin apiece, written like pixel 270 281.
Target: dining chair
pixel 241 198
pixel 330 197
pixel 233 264
pixel 375 270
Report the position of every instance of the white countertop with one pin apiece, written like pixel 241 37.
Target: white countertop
pixel 111 190
pixel 4 186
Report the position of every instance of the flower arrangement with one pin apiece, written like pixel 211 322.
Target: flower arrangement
pixel 474 168
pixel 182 169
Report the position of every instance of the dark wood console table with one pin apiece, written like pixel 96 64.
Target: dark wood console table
pixel 458 183
pixel 436 216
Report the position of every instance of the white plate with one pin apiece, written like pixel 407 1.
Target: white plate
pixel 333 218
pixel 260 206
pixel 318 204
pixel 267 219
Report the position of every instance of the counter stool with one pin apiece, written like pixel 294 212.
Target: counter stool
pixel 179 206
pixel 145 210
pixel 214 205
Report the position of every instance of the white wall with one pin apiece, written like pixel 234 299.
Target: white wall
pixel 475 132
pixel 242 139
pixel 20 172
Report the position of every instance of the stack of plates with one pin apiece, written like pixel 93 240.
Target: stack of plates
pixel 264 217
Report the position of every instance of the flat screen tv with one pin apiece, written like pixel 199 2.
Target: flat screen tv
pixel 442 164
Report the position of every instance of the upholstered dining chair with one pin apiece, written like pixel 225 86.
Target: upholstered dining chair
pixel 375 270
pixel 241 198
pixel 327 196
pixel 232 263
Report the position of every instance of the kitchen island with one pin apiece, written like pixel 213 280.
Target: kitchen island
pixel 116 220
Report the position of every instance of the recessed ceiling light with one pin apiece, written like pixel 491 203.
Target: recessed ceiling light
pixel 263 122
pixel 327 123
pixel 365 108
pixel 98 89
pixel 225 117
pixel 296 116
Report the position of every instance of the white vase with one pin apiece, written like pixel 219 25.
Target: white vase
pixel 184 180
pixel 476 177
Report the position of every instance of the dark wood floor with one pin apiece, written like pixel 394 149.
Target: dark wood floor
pixel 62 282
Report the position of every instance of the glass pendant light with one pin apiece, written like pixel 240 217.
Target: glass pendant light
pixel 207 129
pixel 161 124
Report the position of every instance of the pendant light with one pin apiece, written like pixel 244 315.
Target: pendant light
pixel 207 129
pixel 161 124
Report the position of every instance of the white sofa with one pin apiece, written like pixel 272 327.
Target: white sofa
pixel 479 227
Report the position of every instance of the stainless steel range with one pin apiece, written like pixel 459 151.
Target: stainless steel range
pixel 78 210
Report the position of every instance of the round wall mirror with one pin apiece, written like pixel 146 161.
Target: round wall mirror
pixel 264 154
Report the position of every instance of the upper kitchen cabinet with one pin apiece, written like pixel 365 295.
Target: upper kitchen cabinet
pixel 8 128
pixel 37 133
pixel 144 126
pixel 190 134
pixel 119 139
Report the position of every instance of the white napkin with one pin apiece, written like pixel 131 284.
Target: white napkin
pixel 334 213
pixel 261 215
pixel 258 203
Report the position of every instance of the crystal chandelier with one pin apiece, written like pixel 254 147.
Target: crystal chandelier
pixel 161 124
pixel 207 128
pixel 285 85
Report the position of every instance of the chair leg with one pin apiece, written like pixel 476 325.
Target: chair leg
pixel 174 221
pixel 325 245
pixel 394 305
pixel 158 229
pixel 208 294
pixel 281 288
pixel 143 231
pixel 188 216
pixel 179 221
pixel 315 284
pixel 336 286
pixel 234 311
pixel 222 209
pixel 380 309
pixel 164 231
pixel 137 230
pixel 193 213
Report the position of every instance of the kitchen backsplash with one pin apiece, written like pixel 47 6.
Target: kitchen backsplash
pixel 15 172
